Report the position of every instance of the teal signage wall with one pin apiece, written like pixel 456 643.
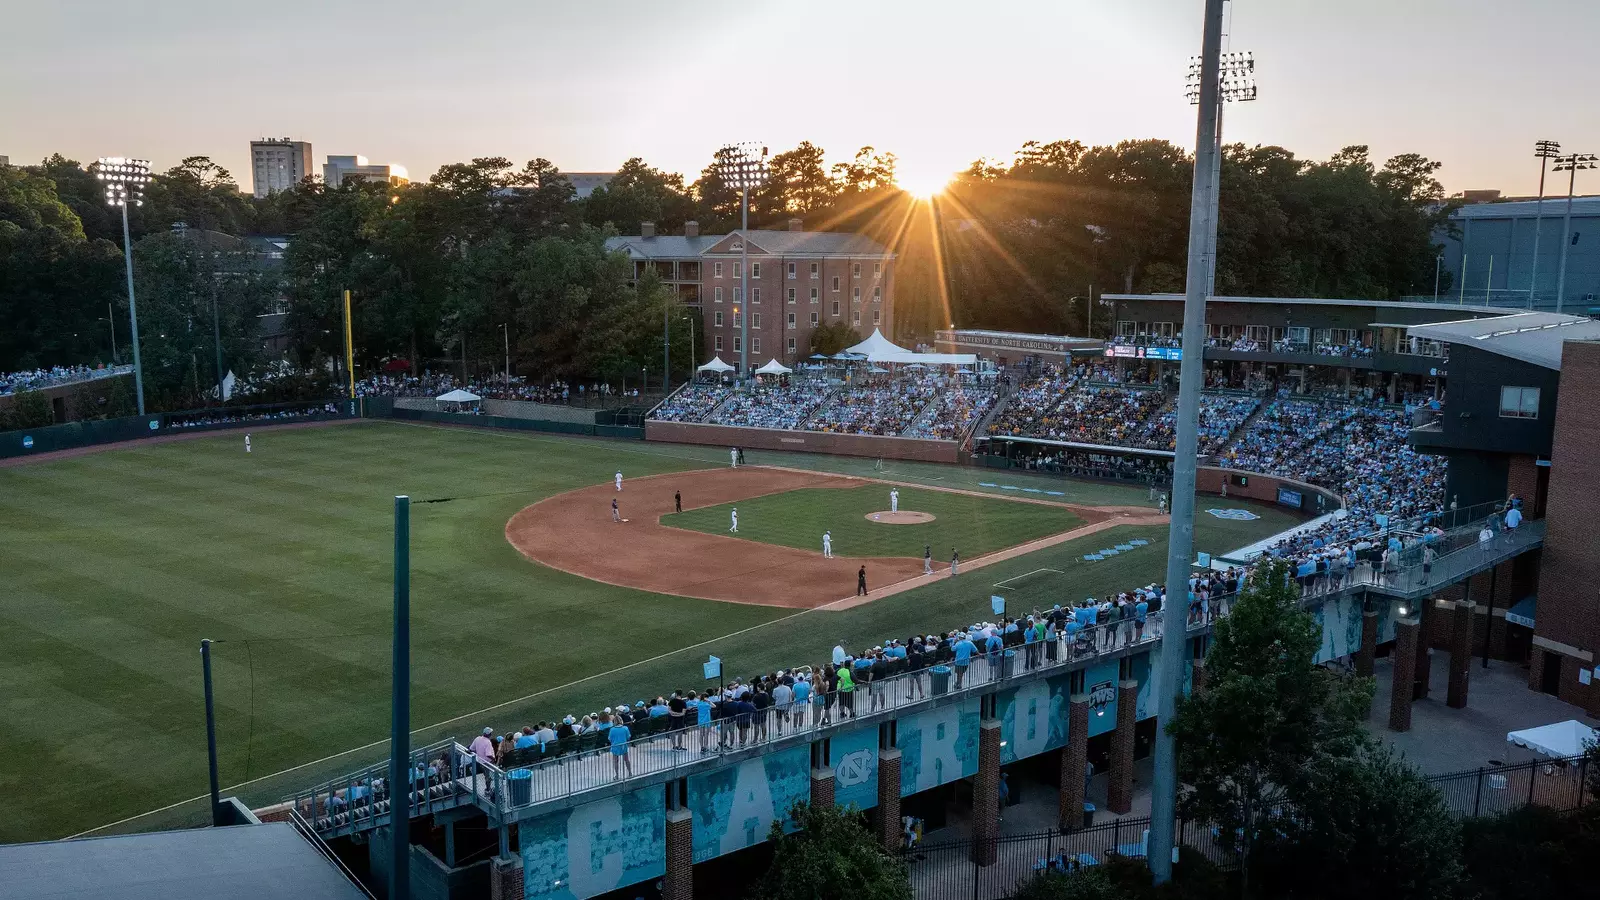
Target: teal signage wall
pixel 938 746
pixel 595 848
pixel 734 808
pixel 1340 621
pixel 854 759
pixel 1033 717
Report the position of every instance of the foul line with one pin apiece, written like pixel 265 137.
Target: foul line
pixel 1025 575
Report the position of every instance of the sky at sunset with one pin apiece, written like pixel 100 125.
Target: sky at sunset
pixel 1471 83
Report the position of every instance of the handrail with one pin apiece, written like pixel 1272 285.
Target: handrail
pixel 315 840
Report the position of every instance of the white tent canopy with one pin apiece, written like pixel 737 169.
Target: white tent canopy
pixel 459 396
pixel 1559 739
pixel 773 367
pixel 880 349
pixel 875 345
pixel 716 365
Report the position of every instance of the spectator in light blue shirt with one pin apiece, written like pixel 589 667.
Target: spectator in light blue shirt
pixel 618 736
pixel 964 648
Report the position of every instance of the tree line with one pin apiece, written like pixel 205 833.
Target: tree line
pixel 484 254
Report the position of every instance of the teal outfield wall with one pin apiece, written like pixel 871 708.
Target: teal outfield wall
pixel 75 435
pixel 389 410
pixel 597 847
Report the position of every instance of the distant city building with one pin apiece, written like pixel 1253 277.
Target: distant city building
pixel 278 164
pixel 5 160
pixel 584 183
pixel 341 168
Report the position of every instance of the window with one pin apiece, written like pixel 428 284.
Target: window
pixel 738 318
pixel 877 270
pixel 877 295
pixel 815 296
pixel 836 309
pixel 755 345
pixel 855 270
pixel 718 343
pixel 716 294
pixel 856 318
pixel 755 320
pixel 737 344
pixel 814 319
pixel 836 284
pixel 791 271
pixel 791 346
pixel 791 320
pixel 855 294
pixel 816 271
pixel 738 295
pixel 755 296
pixel 791 295
pixel 1126 328
pixel 755 270
pixel 1519 403
pixel 719 318
pixel 738 269
pixel 1162 329
pixel 1257 333
pixel 877 316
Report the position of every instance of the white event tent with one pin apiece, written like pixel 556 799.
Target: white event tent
pixel 716 365
pixel 1561 740
pixel 879 349
pixel 773 367
pixel 458 396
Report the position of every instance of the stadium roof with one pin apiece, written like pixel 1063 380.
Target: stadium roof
pixel 270 860
pixel 1445 308
pixel 1554 207
pixel 1534 337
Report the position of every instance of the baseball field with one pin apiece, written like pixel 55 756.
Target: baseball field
pixel 528 600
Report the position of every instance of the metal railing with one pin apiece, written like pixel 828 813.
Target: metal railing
pixel 443 775
pixel 1560 784
pixel 305 830
pixel 1410 575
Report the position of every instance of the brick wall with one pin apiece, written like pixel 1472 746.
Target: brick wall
pixel 505 878
pixel 679 881
pixel 1460 654
pixel 1208 480
pixel 822 787
pixel 986 794
pixel 1405 663
pixel 1074 763
pixel 869 446
pixel 886 816
pixel 1568 613
pixel 1119 788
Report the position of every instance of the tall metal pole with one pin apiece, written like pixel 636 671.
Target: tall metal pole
pixel 216 323
pixel 1180 541
pixel 111 320
pixel 133 312
pixel 1437 262
pixel 1215 203
pixel 1461 296
pixel 400 705
pixel 349 348
pixel 666 349
pixel 1566 238
pixel 744 283
pixel 1544 150
pixel 505 332
pixel 211 734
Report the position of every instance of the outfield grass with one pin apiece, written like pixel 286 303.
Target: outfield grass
pixel 115 565
pixel 974 525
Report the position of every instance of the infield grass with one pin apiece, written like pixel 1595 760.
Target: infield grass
pixel 114 565
pixel 974 525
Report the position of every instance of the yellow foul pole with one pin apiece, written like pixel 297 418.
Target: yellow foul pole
pixel 349 347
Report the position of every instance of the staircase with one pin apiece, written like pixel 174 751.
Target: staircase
pixel 444 776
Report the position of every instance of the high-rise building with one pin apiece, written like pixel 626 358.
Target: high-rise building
pixel 343 168
pixel 278 164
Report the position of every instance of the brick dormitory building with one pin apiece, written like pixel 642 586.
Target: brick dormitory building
pixel 1518 420
pixel 798 280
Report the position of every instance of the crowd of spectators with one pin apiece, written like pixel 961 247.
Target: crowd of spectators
pixel 55 376
pixel 429 385
pixel 1116 417
pixel 691 404
pixel 954 409
pixel 772 405
pixel 1284 430
pixel 1029 409
pixel 244 417
pixel 877 407
pixel 1086 464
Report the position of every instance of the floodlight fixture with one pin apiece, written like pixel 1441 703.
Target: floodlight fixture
pixel 1235 77
pixel 742 167
pixel 1572 164
pixel 124 181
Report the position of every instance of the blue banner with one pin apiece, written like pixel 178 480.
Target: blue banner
pixel 938 746
pixel 854 758
pixel 595 848
pixel 734 808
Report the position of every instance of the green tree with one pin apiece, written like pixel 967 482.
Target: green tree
pixel 1533 853
pixel 639 193
pixel 29 409
pixel 832 857
pixel 1268 716
pixel 832 337
pixel 1362 825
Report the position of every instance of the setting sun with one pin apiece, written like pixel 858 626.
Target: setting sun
pixel 922 184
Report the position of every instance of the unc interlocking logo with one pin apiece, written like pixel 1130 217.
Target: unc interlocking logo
pixel 1238 515
pixel 854 768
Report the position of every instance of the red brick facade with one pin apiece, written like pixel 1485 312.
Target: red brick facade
pixel 1568 618
pixel 1405 664
pixel 986 794
pixel 1074 764
pixel 822 786
pixel 1119 785
pixel 1461 616
pixel 505 878
pixel 679 881
pixel 886 817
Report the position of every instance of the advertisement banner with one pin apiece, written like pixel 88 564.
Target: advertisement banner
pixel 938 746
pixel 854 758
pixel 734 808
pixel 595 848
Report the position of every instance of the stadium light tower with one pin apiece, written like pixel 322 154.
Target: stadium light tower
pixel 1545 151
pixel 1237 83
pixel 1570 164
pixel 1168 672
pixel 124 180
pixel 740 166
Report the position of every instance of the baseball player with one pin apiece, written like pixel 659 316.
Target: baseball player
pixel 955 561
pixel 827 545
pixel 927 559
pixel 616 515
pixel 735 527
pixel 894 500
pixel 619 479
pixel 733 457
pixel 247 443
pixel 677 501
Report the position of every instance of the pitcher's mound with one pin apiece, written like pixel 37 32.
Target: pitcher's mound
pixel 900 518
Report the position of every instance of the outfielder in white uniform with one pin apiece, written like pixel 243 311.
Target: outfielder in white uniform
pixel 733 457
pixel 619 480
pixel 894 500
pixel 247 443
pixel 735 527
pixel 827 545
pixel 927 559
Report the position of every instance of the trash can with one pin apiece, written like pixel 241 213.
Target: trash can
pixel 940 677
pixel 1088 815
pixel 1008 664
pixel 519 785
